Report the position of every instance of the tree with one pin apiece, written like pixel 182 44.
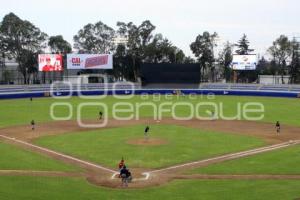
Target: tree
pixel 6 76
pixel 188 60
pixel 281 50
pixel 122 64
pixel 18 37
pixel 243 46
pixel 179 55
pixel 143 46
pixel 28 63
pixel 161 50
pixel 225 59
pixel 95 38
pixel 263 67
pixel 57 44
pixel 138 37
pixel 294 67
pixel 203 49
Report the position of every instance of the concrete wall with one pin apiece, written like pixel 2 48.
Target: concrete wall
pixel 273 80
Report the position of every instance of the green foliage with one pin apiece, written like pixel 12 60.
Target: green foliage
pixel 28 63
pixel 143 46
pixel 95 38
pixel 244 49
pixel 280 51
pixel 243 46
pixel 59 45
pixel 294 67
pixel 21 40
pixel 138 37
pixel 203 49
pixel 6 76
pixel 225 59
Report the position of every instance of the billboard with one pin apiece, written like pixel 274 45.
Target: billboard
pixel 152 73
pixel 244 62
pixel 50 62
pixel 89 61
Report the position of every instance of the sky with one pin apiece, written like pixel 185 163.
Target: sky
pixel 179 20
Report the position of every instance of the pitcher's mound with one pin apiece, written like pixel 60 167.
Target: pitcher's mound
pixel 149 142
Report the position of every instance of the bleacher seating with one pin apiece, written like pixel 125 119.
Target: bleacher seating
pixel 65 87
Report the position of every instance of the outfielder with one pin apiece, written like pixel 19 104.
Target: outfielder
pixel 146 133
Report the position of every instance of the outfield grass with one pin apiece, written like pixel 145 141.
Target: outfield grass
pixel 283 161
pixel 185 144
pixel 22 111
pixel 107 147
pixel 13 158
pixel 37 188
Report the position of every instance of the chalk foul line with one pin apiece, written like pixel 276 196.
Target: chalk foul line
pixel 58 154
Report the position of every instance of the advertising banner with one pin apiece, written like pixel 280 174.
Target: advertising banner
pixel 244 62
pixel 50 62
pixel 89 61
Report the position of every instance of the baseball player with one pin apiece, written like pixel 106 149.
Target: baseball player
pixel 100 115
pixel 32 125
pixel 146 133
pixel 121 165
pixel 125 175
pixel 278 127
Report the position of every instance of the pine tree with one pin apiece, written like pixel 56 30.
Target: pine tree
pixel 243 46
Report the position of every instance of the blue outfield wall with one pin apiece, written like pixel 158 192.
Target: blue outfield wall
pixel 154 91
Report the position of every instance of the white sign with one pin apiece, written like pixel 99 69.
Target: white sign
pixel 244 62
pixel 89 61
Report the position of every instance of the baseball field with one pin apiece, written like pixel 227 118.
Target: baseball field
pixel 181 159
